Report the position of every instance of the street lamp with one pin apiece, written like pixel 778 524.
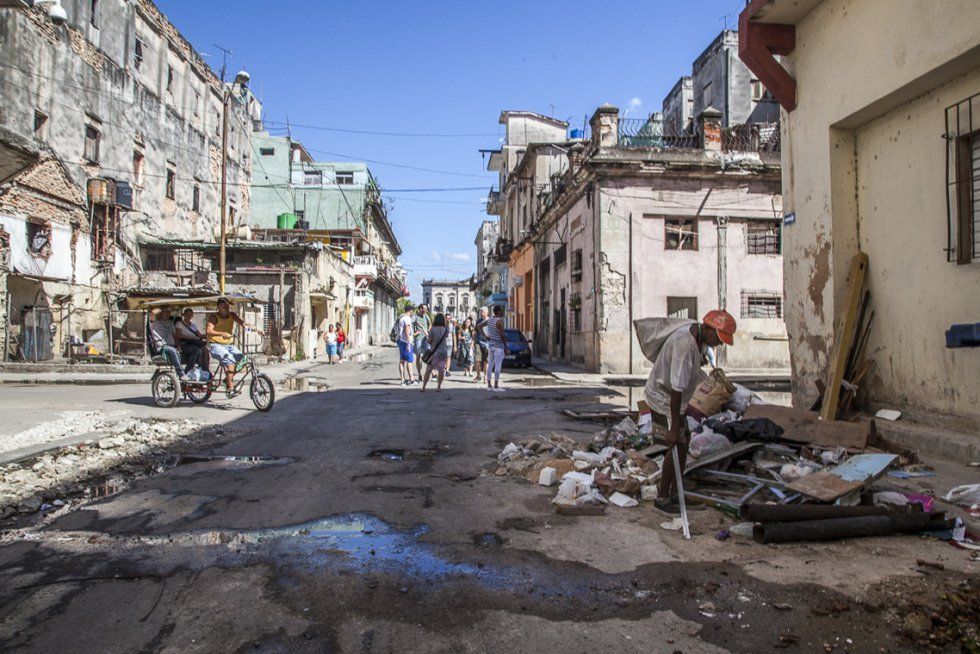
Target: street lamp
pixel 240 84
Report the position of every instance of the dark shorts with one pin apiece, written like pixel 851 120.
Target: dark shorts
pixel 406 352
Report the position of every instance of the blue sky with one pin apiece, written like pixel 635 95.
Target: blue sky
pixel 447 68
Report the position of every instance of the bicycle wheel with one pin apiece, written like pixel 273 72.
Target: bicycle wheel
pixel 200 394
pixel 166 388
pixel 262 392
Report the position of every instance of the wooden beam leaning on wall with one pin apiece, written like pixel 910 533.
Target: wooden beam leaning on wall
pixel 844 336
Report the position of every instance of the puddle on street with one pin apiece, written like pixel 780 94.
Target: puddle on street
pixel 306 384
pixel 388 455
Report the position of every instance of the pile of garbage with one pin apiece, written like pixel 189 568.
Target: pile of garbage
pixel 823 478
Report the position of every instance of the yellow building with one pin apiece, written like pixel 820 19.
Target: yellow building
pixel 880 154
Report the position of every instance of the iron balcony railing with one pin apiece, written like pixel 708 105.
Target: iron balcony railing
pixel 645 133
pixel 755 137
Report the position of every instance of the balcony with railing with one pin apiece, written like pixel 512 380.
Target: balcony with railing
pixel 363 298
pixel 365 266
pixel 493 202
pixel 649 133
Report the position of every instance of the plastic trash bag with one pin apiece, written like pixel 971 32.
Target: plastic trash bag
pixel 741 399
pixel 707 442
pixel 968 496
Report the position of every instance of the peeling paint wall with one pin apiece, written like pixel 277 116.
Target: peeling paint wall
pixel 864 165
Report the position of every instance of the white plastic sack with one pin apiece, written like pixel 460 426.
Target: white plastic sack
pixel 889 498
pixel 968 495
pixel 511 451
pixel 622 501
pixel 707 442
pixel 740 400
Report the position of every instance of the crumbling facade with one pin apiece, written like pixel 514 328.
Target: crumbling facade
pixel 634 230
pixel 884 160
pixel 127 120
pixel 490 282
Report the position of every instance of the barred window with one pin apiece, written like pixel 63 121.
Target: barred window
pixel 682 307
pixel 963 181
pixel 762 304
pixel 680 233
pixel 762 236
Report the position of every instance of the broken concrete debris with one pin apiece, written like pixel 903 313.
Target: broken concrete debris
pixel 788 474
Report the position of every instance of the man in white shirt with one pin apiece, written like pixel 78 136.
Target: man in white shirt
pixel 406 349
pixel 677 348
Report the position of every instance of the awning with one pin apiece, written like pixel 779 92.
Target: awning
pixel 204 301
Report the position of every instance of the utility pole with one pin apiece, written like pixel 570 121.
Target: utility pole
pixel 224 190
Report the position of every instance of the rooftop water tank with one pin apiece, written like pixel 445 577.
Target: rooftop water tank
pixel 577 134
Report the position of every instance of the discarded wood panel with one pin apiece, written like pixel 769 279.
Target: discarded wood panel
pixel 807 427
pixel 832 529
pixel 853 474
pixel 844 336
pixel 737 449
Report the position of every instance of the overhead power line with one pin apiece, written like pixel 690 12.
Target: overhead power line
pixel 376 133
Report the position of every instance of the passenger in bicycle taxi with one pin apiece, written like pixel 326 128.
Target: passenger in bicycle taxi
pixel 221 337
pixel 193 344
pixel 162 340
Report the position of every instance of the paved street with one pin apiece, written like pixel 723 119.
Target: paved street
pixel 376 524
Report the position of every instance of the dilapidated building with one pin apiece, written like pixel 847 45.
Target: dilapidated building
pixel 645 224
pixel 882 128
pixel 121 121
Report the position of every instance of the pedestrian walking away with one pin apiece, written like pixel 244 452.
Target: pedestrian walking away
pixel 437 358
pixel 496 347
pixel 480 351
pixel 406 346
pixel 466 343
pixel 423 322
pixel 677 348
pixel 451 326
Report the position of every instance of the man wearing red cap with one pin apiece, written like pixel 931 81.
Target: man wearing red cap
pixel 677 349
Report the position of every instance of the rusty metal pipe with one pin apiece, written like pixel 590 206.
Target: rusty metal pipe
pixel 801 512
pixel 833 529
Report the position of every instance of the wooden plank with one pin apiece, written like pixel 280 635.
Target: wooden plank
pixel 806 427
pixel 850 476
pixel 580 509
pixel 844 338
pixel 720 456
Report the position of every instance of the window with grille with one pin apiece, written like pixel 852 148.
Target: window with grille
pixel 680 234
pixel 93 138
pixel 138 48
pixel 312 178
pixel 762 304
pixel 267 152
pixel 963 181
pixel 682 307
pixel 171 188
pixel 561 255
pixel 345 178
pixel 577 265
pixel 40 121
pixel 762 236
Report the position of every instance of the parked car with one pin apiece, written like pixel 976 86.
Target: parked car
pixel 519 348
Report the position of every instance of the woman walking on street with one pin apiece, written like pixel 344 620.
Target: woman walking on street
pixel 341 342
pixel 465 340
pixel 497 347
pixel 330 340
pixel 480 349
pixel 439 351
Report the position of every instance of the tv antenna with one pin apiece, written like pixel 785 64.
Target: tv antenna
pixel 226 54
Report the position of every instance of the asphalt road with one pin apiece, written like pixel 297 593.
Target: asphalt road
pixel 367 518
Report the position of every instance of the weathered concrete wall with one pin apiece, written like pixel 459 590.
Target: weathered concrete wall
pixel 678 107
pixel 605 341
pixel 863 141
pixel 82 75
pixel 730 84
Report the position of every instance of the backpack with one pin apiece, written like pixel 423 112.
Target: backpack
pixel 393 334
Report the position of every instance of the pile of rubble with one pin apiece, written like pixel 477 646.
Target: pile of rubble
pixel 792 475
pixel 119 444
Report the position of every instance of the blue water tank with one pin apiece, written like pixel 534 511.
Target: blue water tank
pixel 577 134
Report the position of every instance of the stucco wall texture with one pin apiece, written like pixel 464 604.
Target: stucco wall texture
pixel 864 166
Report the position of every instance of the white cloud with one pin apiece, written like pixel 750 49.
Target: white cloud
pixel 435 256
pixel 458 256
pixel 634 104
